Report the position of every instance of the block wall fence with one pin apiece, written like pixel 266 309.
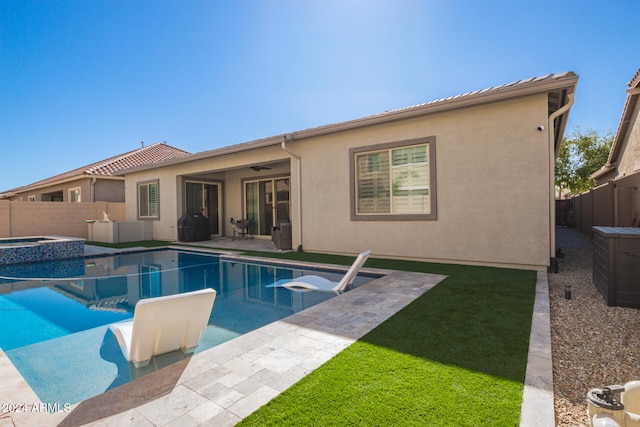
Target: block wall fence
pixel 21 219
pixel 613 204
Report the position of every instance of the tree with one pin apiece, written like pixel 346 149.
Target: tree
pixel 580 155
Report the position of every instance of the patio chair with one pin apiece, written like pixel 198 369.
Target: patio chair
pixel 317 283
pixel 164 324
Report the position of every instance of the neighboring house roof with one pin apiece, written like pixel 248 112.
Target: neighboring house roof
pixel 558 86
pixel 151 154
pixel 623 128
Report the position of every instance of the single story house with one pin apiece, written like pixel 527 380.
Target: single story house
pixel 622 170
pixel 624 157
pixel 95 182
pixel 466 179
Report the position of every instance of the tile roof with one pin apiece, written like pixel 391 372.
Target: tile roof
pixel 154 153
pixel 635 81
pixel 623 127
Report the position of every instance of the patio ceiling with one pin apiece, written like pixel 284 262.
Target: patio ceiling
pixel 250 169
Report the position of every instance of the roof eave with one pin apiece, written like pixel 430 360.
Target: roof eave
pixel 603 171
pixel 625 119
pixel 265 142
pixel 461 101
pixel 30 188
pixel 564 81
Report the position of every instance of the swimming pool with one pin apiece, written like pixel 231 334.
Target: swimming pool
pixel 56 331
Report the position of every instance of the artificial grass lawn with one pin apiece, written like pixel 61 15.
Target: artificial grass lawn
pixel 456 356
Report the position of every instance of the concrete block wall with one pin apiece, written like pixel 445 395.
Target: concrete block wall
pixel 5 224
pixel 20 219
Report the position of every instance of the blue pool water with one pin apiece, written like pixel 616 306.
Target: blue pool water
pixel 55 317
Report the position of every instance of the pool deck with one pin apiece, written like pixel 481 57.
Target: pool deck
pixel 222 385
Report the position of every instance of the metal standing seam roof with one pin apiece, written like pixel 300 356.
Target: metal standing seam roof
pixel 558 84
pixel 549 82
pixel 495 89
pixel 154 153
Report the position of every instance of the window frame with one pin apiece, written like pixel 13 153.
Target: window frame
pixel 75 191
pixel 430 142
pixel 141 184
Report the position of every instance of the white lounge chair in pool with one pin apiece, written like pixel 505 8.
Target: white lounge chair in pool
pixel 164 324
pixel 317 283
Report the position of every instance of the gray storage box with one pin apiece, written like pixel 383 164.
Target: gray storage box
pixel 281 236
pixel 616 264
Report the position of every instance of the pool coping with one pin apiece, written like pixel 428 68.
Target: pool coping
pixel 224 384
pixel 40 248
pixel 538 408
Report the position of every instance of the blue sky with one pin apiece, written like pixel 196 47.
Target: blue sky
pixel 84 80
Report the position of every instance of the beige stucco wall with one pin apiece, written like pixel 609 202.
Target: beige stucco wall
pixel 630 160
pixel 493 189
pixel 103 190
pixel 108 190
pixel 82 183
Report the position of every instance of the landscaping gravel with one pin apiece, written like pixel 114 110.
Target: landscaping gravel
pixel 593 345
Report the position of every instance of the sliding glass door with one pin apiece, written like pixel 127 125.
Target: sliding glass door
pixel 204 198
pixel 267 204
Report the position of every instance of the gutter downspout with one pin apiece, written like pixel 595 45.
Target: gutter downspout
pixel 93 190
pixel 288 138
pixel 553 267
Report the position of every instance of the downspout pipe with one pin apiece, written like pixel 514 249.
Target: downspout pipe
pixel 553 267
pixel 288 138
pixel 93 190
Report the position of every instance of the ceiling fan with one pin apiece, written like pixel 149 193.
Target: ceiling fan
pixel 259 168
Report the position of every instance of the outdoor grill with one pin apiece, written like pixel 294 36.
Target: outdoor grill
pixel 193 228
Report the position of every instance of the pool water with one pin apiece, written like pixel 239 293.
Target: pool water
pixel 55 318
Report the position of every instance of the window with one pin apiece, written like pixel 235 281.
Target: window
pixel 267 204
pixel 394 181
pixel 204 198
pixel 148 200
pixel 74 195
pixel 31 198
